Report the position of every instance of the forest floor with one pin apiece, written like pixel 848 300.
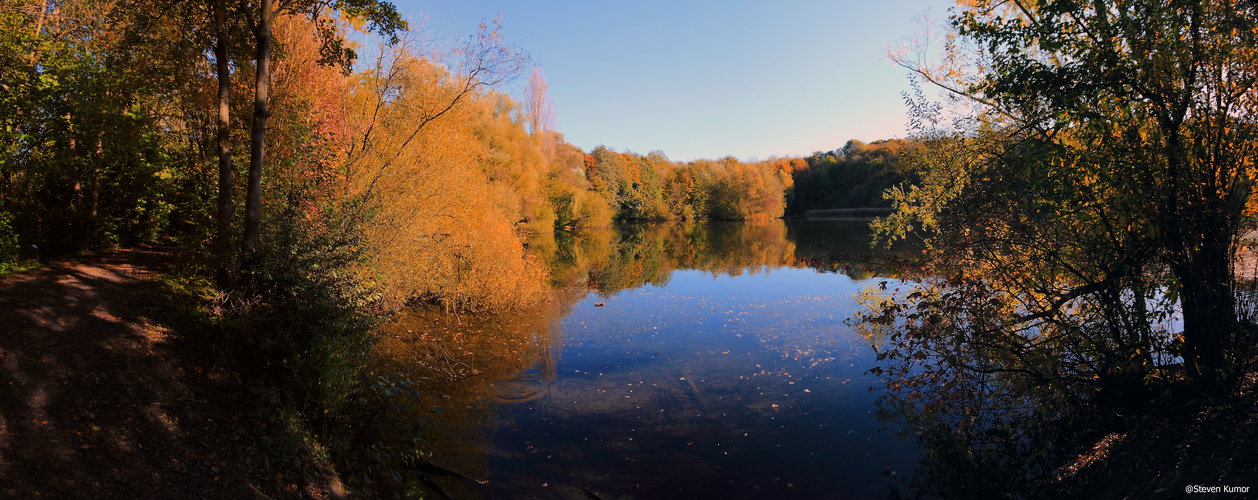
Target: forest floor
pixel 1185 445
pixel 108 390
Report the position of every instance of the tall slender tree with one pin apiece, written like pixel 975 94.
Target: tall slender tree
pixel 222 61
pixel 541 115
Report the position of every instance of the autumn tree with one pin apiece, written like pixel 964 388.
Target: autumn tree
pixel 1087 182
pixel 222 224
pixel 541 115
pixel 258 18
pixel 434 149
pixel 1144 108
pixel 513 159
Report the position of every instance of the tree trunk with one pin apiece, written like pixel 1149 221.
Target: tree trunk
pixel 1199 241
pixel 76 203
pixel 222 237
pixel 39 28
pixel 253 199
pixel 1209 308
pixel 98 161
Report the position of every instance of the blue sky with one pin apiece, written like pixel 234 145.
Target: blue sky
pixel 706 79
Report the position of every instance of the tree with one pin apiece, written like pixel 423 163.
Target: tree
pixel 541 117
pixel 81 161
pixel 1129 122
pixel 380 16
pixel 540 114
pixel 222 238
pixel 442 229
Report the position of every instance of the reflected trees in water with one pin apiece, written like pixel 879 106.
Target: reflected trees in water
pixel 439 420
pixel 514 354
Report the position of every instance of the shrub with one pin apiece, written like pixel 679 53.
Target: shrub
pixel 8 242
pixel 302 326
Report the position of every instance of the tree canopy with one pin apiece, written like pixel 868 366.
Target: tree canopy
pixel 1087 183
pixel 1129 122
pixel 853 176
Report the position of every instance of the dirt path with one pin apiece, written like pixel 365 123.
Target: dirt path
pixel 99 400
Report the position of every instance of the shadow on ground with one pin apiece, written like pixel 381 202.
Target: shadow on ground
pixel 99 398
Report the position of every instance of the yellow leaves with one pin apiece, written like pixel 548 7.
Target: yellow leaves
pixel 358 23
pixel 445 173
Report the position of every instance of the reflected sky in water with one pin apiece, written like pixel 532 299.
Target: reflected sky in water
pixel 742 382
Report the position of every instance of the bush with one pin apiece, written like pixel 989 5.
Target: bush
pixel 301 326
pixel 8 242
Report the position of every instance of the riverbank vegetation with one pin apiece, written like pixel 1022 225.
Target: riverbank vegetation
pixel 318 184
pixel 1084 212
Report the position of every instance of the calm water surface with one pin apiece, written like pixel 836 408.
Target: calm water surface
pixel 676 362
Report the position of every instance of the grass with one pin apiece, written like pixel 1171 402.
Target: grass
pixel 20 266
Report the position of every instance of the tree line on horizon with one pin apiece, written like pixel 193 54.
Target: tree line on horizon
pixel 653 188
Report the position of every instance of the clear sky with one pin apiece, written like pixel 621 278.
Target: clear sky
pixel 706 79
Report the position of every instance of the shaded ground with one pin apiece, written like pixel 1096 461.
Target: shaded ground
pixel 101 398
pixel 1190 442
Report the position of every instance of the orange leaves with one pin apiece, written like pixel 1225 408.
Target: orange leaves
pixel 309 128
pixel 443 169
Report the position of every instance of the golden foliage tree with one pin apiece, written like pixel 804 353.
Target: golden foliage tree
pixel 444 229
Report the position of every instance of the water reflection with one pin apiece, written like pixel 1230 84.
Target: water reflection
pixel 675 361
pixel 634 255
pixel 462 364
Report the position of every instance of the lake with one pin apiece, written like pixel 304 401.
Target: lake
pixel 674 361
